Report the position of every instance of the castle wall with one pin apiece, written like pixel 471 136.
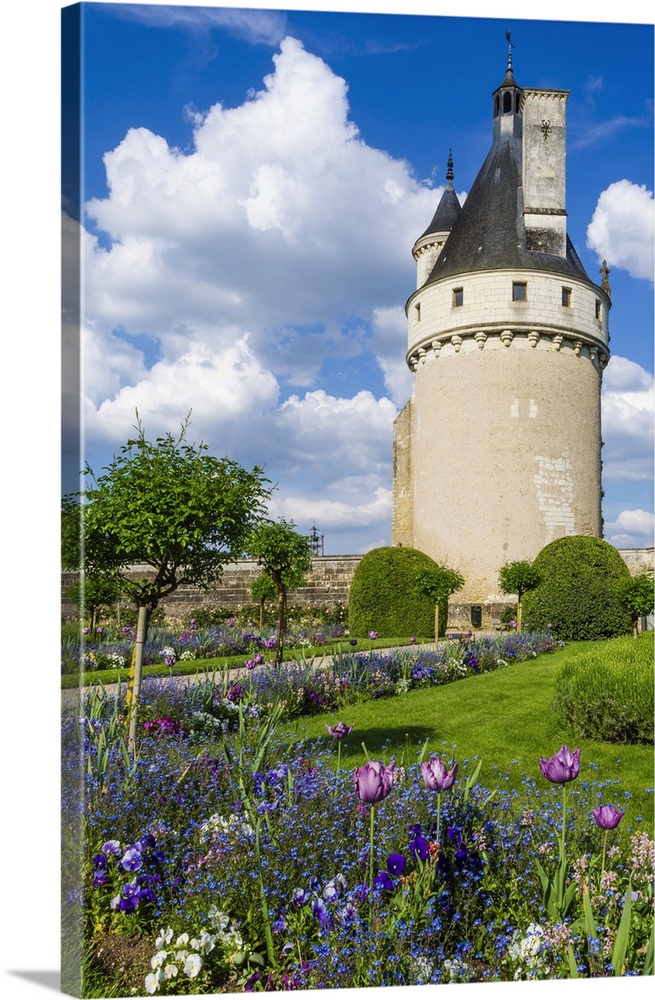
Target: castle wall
pixel 402 515
pixel 488 309
pixel 496 481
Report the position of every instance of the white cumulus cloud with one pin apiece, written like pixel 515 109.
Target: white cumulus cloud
pixel 621 229
pixel 632 529
pixel 627 421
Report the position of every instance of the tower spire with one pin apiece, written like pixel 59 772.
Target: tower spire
pixel 510 46
pixel 449 171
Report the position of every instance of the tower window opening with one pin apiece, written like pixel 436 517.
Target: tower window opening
pixel 496 107
pixel 599 309
pixel 566 296
pixel 519 291
pixel 417 307
pixel 507 102
pixel 458 296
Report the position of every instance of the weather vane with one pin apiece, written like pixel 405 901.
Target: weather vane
pixel 510 46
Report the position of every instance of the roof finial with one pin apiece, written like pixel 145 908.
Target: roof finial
pixel 605 285
pixel 510 46
pixel 449 171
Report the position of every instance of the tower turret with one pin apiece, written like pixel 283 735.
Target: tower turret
pixel 430 244
pixel 498 450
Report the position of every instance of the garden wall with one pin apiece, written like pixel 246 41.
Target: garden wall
pixel 328 583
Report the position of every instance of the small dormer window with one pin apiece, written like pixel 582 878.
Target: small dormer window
pixel 599 309
pixel 566 297
pixel 519 291
pixel 458 296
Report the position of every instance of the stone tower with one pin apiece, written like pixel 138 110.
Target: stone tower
pixel 497 452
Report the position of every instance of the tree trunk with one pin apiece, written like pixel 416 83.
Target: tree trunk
pixel 134 680
pixel 261 615
pixel 519 614
pixel 436 623
pixel 282 624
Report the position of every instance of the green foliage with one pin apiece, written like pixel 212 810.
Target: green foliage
pixel 635 593
pixel 263 588
pixel 384 597
pixel 285 556
pixel 518 578
pixel 577 594
pixel 607 694
pixel 167 505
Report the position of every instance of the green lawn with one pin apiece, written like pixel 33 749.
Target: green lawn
pixel 504 717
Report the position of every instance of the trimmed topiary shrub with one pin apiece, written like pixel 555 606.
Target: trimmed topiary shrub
pixel 383 596
pixel 607 694
pixel 577 596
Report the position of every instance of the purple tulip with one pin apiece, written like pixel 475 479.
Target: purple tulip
pixel 608 817
pixel 436 775
pixel 340 730
pixel 373 781
pixel 563 767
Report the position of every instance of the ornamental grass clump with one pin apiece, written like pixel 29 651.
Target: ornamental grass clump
pixel 608 694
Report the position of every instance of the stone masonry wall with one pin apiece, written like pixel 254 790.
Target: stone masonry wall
pixel 328 583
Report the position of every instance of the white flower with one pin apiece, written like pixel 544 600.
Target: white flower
pixel 152 983
pixel 157 960
pixel 181 941
pixel 170 971
pixel 181 956
pixel 192 966
pixel 164 937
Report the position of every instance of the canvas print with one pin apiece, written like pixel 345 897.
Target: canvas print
pixel 357 518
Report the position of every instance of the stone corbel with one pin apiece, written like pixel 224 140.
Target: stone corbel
pixel 480 339
pixel 577 347
pixel 456 341
pixel 421 355
pixel 506 338
pixel 436 347
pixel 557 341
pixel 533 338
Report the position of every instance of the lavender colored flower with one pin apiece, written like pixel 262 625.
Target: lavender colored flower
pixel 373 781
pixel 608 817
pixel 436 775
pixel 111 847
pixel 300 896
pixel 372 635
pixel 562 767
pixel 131 860
pixel 340 730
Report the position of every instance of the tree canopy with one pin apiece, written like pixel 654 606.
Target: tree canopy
pixel 518 578
pixel 166 505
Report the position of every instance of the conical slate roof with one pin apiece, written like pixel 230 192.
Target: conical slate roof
pixel 489 231
pixel 448 208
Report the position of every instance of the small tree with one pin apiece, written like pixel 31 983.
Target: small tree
pixel 92 592
pixel 518 578
pixel 635 593
pixel 263 589
pixel 438 584
pixel 166 505
pixel 285 557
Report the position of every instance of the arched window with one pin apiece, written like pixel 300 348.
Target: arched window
pixel 507 102
pixel 496 107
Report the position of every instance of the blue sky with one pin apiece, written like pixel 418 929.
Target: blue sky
pixel 253 182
